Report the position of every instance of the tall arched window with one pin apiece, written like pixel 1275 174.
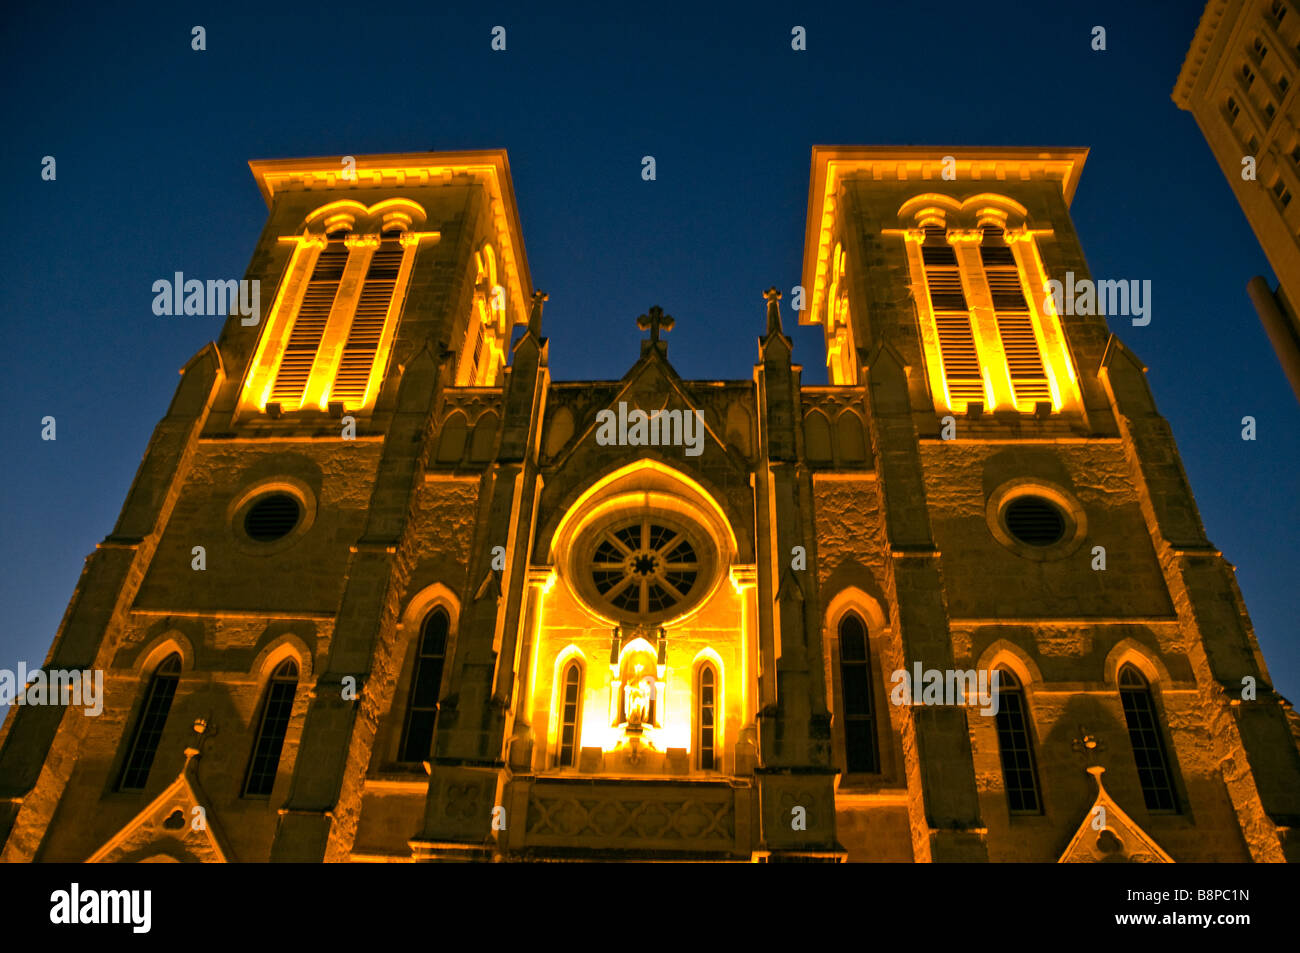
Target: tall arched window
pixel 149 726
pixel 570 715
pixel 1148 743
pixel 272 725
pixel 706 713
pixel 426 684
pixel 1016 745
pixel 860 748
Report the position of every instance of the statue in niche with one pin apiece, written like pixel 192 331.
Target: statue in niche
pixel 638 685
pixel 638 694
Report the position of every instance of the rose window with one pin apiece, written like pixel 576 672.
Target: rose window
pixel 644 567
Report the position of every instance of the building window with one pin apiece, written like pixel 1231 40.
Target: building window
pixel 860 749
pixel 271 517
pixel 352 380
pixel 570 715
pixel 426 685
pixel 1247 74
pixel 1147 741
pixel 328 336
pixel 1015 324
pixel 309 326
pixel 1261 50
pixel 1278 10
pixel 987 338
pixel 149 726
pixel 1015 744
pixel 1282 192
pixel 644 567
pixel 961 363
pixel 272 726
pixel 1283 83
pixel 706 707
pixel 1253 145
pixel 1233 109
pixel 1295 154
pixel 1269 111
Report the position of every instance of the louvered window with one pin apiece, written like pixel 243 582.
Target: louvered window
pixel 961 366
pixel 309 327
pixel 1015 324
pixel 367 329
pixel 478 354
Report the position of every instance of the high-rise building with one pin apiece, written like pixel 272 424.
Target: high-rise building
pixel 1238 82
pixel 384 591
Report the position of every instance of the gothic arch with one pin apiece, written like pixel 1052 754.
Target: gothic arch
pixel 1131 651
pixel 283 646
pixel 484 439
pixel 570 653
pixel 707 656
pixel 817 437
pixel 849 437
pixel 161 646
pixel 1004 652
pixel 452 438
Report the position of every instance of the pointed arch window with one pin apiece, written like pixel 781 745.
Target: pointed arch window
pixel 706 714
pixel 149 726
pixel 570 715
pixel 426 684
pixel 1147 740
pixel 861 752
pixel 1016 746
pixel 272 727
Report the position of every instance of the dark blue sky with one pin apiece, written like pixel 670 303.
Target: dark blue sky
pixel 152 141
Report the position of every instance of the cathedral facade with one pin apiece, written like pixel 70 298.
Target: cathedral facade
pixel 382 590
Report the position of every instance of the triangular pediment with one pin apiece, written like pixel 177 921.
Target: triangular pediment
pixel 650 385
pixel 1108 835
pixel 170 828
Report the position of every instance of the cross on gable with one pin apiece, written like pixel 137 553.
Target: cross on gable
pixel 654 322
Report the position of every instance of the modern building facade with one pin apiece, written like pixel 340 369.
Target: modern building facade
pixel 1238 82
pixel 384 591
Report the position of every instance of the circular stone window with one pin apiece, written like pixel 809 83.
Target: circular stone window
pixel 643 569
pixel 1036 520
pixel 272 517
